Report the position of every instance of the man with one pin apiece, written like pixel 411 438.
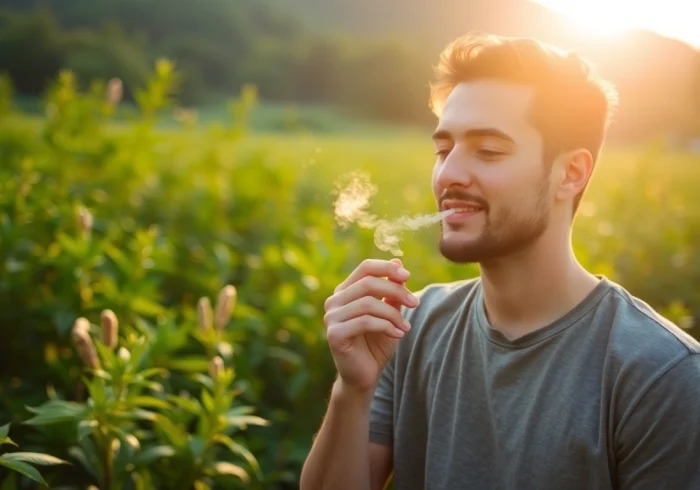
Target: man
pixel 537 374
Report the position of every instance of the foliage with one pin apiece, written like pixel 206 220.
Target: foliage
pixel 23 462
pixel 132 432
pixel 114 236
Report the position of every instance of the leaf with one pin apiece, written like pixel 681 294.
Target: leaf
pixel 97 388
pixel 189 405
pixel 140 414
pixel 147 373
pixel 91 463
pixel 142 481
pixel 189 364
pixel 207 401
pixel 150 402
pixel 4 430
pixel 201 485
pixel 230 469
pixel 242 410
pixel 23 468
pixel 106 354
pixel 7 440
pixel 197 446
pixel 138 350
pixel 175 434
pixel 243 421
pixel 101 373
pixel 85 428
pixel 125 447
pixel 118 257
pixel 34 458
pixel 56 411
pixel 146 307
pixel 286 355
pixel 129 440
pixel 237 448
pixel 149 385
pixel 205 380
pixel 147 456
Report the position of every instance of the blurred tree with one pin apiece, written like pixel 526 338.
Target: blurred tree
pixel 106 54
pixel 366 57
pixel 31 49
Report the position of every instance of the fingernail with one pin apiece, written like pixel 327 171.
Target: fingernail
pixel 403 273
pixel 399 332
pixel 407 325
pixel 412 299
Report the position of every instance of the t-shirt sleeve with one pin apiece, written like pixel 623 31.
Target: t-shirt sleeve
pixel 381 422
pixel 658 446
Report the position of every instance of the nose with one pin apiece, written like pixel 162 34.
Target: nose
pixel 453 171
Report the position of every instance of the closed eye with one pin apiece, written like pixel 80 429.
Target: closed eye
pixel 443 152
pixel 489 154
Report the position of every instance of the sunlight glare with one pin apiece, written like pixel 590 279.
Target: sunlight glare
pixel 613 18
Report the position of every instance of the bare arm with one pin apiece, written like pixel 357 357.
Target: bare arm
pixel 342 456
pixel 380 465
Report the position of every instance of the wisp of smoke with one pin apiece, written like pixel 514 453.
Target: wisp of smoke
pixel 354 194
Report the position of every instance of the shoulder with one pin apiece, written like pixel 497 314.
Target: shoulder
pixel 646 351
pixel 638 331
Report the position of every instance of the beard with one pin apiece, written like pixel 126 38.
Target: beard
pixel 505 232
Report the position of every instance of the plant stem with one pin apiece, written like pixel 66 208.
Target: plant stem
pixel 108 461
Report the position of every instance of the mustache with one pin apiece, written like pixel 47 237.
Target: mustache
pixel 459 195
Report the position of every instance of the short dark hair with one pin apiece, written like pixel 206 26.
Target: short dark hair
pixel 572 108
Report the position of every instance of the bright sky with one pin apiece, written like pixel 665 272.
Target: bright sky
pixel 672 18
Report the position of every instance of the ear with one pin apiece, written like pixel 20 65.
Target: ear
pixel 574 172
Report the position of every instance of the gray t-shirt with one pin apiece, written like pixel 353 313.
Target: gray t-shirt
pixel 607 397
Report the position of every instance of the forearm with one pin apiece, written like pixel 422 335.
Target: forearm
pixel 339 456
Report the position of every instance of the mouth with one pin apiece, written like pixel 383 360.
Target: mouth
pixel 461 211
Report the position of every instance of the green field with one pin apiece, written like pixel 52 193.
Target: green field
pixel 177 214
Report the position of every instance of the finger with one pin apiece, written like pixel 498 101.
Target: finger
pixel 366 306
pixel 376 268
pixel 391 301
pixel 372 287
pixel 344 332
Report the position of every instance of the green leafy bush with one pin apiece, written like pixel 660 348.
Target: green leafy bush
pixel 133 432
pixel 114 236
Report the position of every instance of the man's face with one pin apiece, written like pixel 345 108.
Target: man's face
pixel 490 163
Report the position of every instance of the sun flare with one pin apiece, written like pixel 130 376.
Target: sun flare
pixel 613 18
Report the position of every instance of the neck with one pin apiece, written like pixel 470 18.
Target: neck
pixel 535 287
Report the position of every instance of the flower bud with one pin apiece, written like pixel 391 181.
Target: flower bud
pixel 216 366
pixel 204 314
pixel 224 306
pixel 110 328
pixel 124 354
pixel 83 343
pixel 115 91
pixel 85 221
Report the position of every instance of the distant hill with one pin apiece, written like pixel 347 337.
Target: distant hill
pixel 366 57
pixel 658 77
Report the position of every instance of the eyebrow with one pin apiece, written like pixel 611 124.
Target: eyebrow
pixel 443 134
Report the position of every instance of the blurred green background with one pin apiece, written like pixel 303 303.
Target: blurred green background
pixel 213 162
